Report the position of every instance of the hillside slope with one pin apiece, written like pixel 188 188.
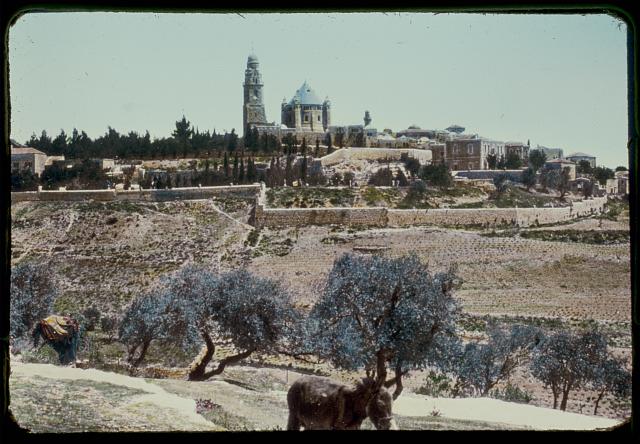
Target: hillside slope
pixel 48 398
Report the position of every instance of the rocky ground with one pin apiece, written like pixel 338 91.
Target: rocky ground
pixel 104 254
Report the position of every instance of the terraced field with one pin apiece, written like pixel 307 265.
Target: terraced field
pixel 104 254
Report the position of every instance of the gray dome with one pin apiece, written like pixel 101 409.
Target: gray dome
pixel 306 96
pixel 252 59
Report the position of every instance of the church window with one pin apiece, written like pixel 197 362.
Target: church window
pixel 318 118
pixel 469 148
pixel 306 118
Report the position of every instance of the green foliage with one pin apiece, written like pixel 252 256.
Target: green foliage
pixel 492 161
pixel 24 181
pixel 598 237
pixel 381 178
pixel 412 165
pixel 565 362
pixel 33 293
pixel 601 174
pixel 481 366
pixel 376 311
pixel 252 238
pixel 512 393
pixel 584 167
pixel 437 175
pixel 513 161
pixel 529 178
pixel 537 158
pixel 437 385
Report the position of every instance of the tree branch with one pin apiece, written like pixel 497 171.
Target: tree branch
pixel 227 361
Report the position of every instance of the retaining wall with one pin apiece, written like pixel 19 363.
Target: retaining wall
pixel 424 156
pixel 384 217
pixel 138 195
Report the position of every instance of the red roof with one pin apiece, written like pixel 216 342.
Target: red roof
pixel 26 150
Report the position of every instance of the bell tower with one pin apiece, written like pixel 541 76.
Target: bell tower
pixel 253 109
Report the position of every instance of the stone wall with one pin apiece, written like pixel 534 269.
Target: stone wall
pixel 300 217
pixel 424 156
pixel 453 217
pixel 138 195
pixel 384 217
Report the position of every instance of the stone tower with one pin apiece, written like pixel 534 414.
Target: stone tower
pixel 253 109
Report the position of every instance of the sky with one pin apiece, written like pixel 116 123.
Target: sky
pixel 555 80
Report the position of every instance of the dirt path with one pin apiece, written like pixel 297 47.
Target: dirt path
pixel 494 410
pixel 184 409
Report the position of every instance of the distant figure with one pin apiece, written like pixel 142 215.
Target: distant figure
pixel 62 333
pixel 322 404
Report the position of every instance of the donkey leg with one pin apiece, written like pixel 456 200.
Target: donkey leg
pixel 294 421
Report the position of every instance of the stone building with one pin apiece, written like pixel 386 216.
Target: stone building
pixel 467 153
pixel 518 148
pixel 577 157
pixel 560 164
pixel 304 116
pixel 253 107
pixel 552 153
pixel 305 111
pixel 27 158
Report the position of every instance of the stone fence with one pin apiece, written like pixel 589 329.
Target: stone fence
pixel 151 195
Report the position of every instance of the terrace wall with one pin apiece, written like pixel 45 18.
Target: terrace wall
pixel 137 195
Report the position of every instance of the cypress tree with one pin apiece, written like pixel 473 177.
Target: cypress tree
pixel 226 166
pixel 235 168
pixel 241 172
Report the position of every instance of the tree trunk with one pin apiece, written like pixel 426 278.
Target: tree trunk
pixel 598 399
pixel 381 368
pixel 143 353
pixel 399 385
pixel 197 367
pixel 555 391
pixel 565 398
pixel 225 362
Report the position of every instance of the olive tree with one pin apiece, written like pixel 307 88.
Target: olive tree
pixel 238 310
pixel 32 294
pixel 482 366
pixel 566 361
pixel 376 312
pixel 610 376
pixel 144 321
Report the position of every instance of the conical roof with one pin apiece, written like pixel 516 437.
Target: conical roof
pixel 306 96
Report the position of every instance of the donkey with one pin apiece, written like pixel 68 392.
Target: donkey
pixel 62 333
pixel 317 403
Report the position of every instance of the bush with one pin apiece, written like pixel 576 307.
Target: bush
pixel 381 178
pixel 109 325
pixel 512 393
pixel 33 292
pixel 437 385
pixel 92 317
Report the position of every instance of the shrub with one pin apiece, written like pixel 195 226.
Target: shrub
pixel 92 317
pixel 512 393
pixel 437 385
pixel 33 292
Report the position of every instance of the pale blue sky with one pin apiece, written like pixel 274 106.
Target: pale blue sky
pixel 558 80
